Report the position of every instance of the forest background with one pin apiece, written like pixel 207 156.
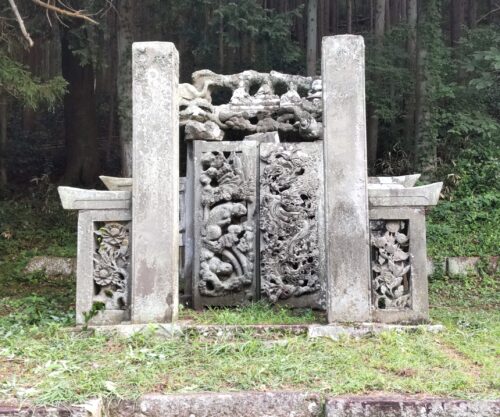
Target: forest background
pixel 433 90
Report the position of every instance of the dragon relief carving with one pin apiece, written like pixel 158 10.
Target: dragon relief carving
pixel 289 229
pixel 111 265
pixel 390 264
pixel 226 256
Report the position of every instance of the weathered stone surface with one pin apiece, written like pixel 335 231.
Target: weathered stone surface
pixel 52 266
pixel 92 408
pixel 103 269
pixel 425 195
pixel 404 265
pixel 244 404
pixel 259 103
pixel 225 258
pixel 337 331
pixel 155 202
pixel 404 180
pixel 81 199
pixel 116 183
pixel 346 199
pixel 463 265
pixel 291 218
pixel 268 137
pixel 409 407
pixel 203 131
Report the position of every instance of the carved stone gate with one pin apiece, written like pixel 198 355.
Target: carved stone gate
pixel 256 223
pixel 281 209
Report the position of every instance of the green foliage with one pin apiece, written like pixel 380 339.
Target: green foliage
pixel 18 82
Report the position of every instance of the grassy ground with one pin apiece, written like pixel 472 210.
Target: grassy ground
pixel 42 362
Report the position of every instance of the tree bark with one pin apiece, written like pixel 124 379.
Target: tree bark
pixel 425 146
pixel 312 27
pixel 80 118
pixel 472 14
pixel 456 21
pixel 3 141
pixel 372 123
pixel 124 38
pixel 411 46
pixel 349 16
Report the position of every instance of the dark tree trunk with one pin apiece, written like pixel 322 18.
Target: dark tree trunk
pixel 80 119
pixel 472 13
pixel 456 20
pixel 3 141
pixel 349 16
pixel 312 27
pixel 411 13
pixel 372 123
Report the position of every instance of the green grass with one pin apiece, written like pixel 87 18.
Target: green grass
pixel 43 362
pixel 255 313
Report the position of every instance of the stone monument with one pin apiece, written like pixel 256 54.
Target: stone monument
pixel 276 203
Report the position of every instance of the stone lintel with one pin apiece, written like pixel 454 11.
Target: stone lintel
pixel 155 196
pixel 346 197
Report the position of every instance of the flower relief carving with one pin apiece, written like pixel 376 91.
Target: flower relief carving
pixel 111 265
pixel 226 256
pixel 390 264
pixel 288 223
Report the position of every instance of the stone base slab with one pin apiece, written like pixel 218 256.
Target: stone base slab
pixel 92 408
pixel 336 331
pixel 333 331
pixel 409 407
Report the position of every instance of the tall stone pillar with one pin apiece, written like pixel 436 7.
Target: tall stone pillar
pixel 155 191
pixel 346 195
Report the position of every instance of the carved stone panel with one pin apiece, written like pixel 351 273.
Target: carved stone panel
pixel 112 265
pixel 224 270
pixel 391 264
pixel 290 222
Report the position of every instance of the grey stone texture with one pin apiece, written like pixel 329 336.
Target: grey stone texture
pixel 225 261
pixel 409 407
pixel 92 408
pixel 239 404
pixel 336 332
pixel 267 137
pixel 88 223
pixel 345 167
pixel 52 266
pixel 418 310
pixel 291 224
pixel 116 183
pixel 155 201
pixel 80 199
pixel 463 265
pixel 424 195
pixel 403 180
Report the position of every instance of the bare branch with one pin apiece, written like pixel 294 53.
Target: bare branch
pixel 487 14
pixel 77 13
pixel 20 21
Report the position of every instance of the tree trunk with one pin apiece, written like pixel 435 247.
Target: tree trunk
pixel 124 38
pixel 411 13
pixel 425 146
pixel 349 16
pixel 456 21
pixel 3 141
pixel 372 124
pixel 312 27
pixel 472 14
pixel 80 118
